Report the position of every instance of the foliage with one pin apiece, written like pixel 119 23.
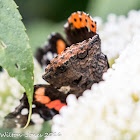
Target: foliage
pixel 15 51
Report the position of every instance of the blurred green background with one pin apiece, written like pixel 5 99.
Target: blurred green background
pixel 41 17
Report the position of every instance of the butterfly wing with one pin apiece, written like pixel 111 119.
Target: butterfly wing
pixel 47 101
pixel 79 27
pixel 55 45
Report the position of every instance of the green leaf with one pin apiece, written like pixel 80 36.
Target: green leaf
pixel 15 51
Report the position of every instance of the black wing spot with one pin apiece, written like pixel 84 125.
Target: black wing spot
pixel 92 26
pixel 80 19
pixel 85 20
pixel 75 19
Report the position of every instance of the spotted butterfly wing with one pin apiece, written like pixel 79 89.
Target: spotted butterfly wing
pixel 79 27
pixel 47 101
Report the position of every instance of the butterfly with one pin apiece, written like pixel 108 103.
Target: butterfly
pixel 72 66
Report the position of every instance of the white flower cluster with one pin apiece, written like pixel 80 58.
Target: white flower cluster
pixel 10 91
pixel 111 109
pixel 117 32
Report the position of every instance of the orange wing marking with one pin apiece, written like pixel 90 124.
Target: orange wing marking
pixel 56 104
pixel 40 91
pixel 60 45
pixel 42 99
pixel 80 20
pixel 40 96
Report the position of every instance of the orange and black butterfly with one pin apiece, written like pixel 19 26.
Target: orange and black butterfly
pixel 73 65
